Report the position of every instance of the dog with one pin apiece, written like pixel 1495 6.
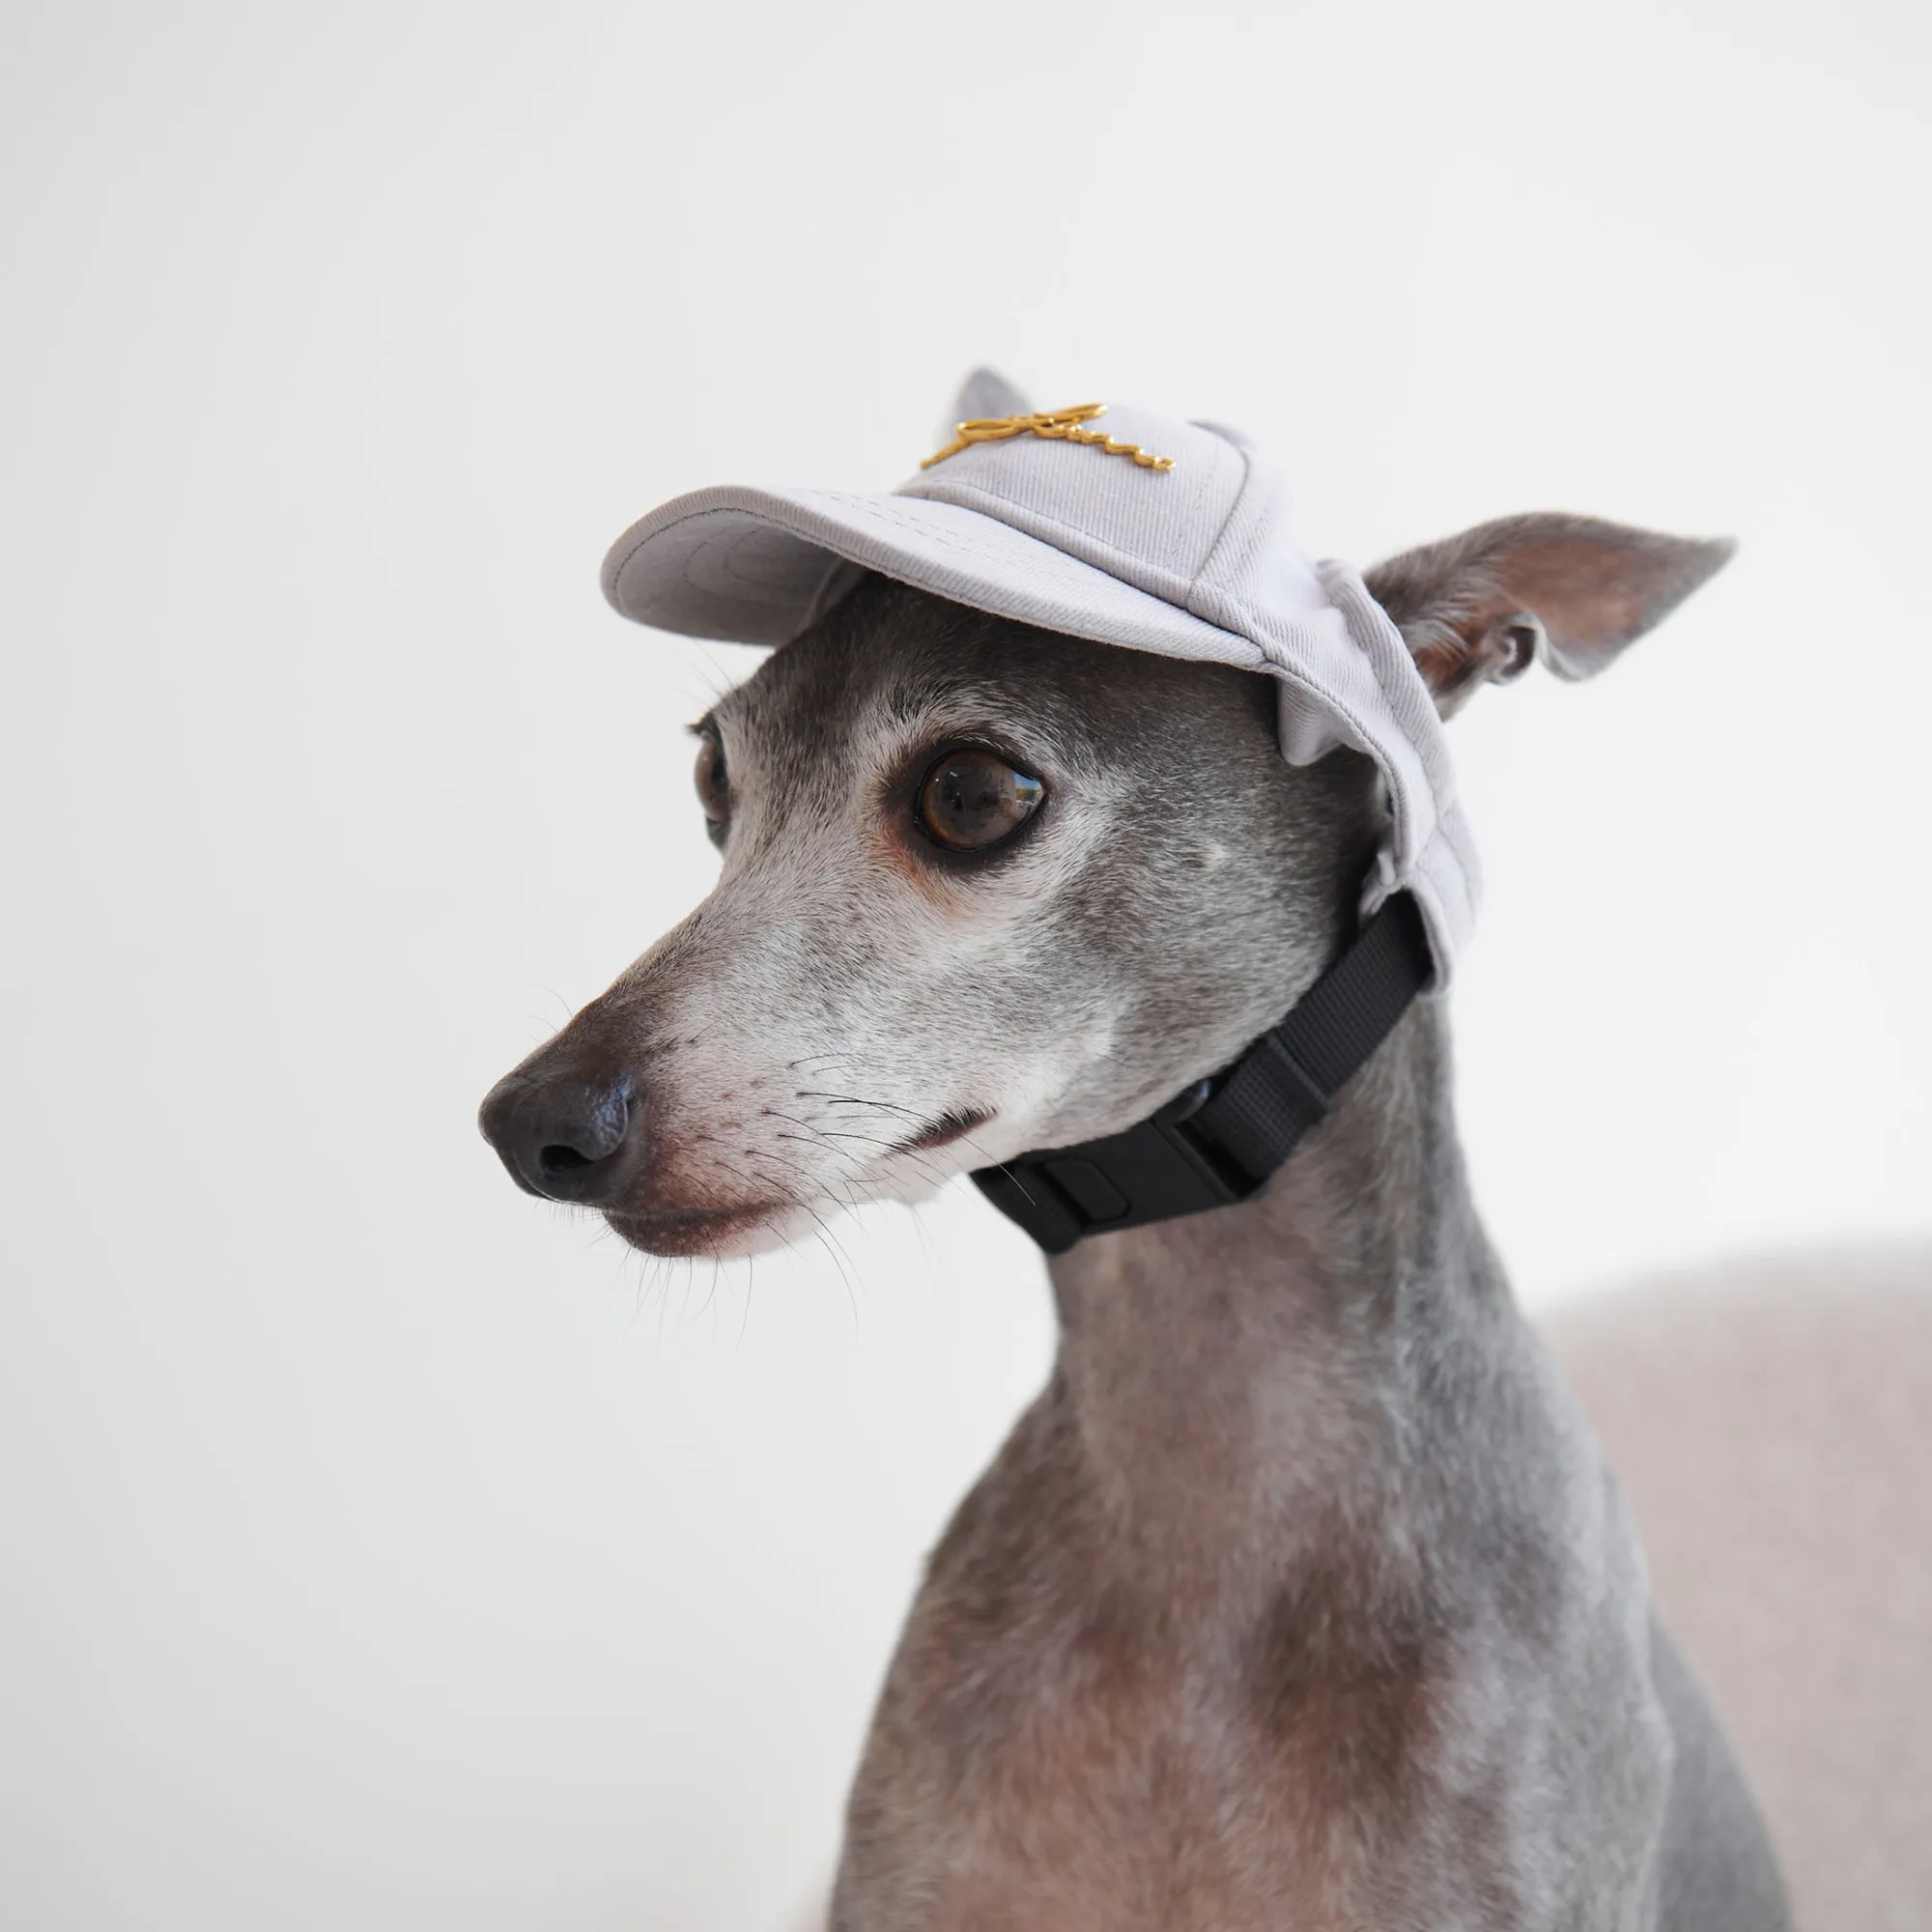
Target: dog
pixel 1301 1595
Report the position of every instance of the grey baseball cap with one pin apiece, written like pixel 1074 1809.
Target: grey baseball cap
pixel 1113 523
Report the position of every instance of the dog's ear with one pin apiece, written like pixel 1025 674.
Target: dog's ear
pixel 1570 591
pixel 985 392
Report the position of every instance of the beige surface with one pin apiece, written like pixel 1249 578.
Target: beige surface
pixel 1773 1428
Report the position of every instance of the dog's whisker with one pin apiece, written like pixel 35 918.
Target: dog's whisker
pixel 744 1315
pixel 909 1113
pixel 832 1248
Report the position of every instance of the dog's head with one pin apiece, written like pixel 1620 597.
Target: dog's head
pixel 987 889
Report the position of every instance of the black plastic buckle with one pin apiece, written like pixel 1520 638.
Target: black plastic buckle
pixel 1150 1172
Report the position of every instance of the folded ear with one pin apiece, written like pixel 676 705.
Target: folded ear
pixel 984 394
pixel 1571 591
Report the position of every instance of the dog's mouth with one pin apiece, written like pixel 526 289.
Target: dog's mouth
pixel 697 1231
pixel 950 1126
pixel 745 1227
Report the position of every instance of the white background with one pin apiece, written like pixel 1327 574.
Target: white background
pixel 383 1549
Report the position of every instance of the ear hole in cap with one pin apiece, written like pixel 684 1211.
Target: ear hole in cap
pixel 1522 641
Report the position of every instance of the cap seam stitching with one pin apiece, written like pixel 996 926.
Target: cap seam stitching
pixel 1056 523
pixel 1227 521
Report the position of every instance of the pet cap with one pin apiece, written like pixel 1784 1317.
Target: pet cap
pixel 1110 523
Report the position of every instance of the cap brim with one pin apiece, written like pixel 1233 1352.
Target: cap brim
pixel 755 566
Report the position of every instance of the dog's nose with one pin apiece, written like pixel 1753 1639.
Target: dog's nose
pixel 563 1137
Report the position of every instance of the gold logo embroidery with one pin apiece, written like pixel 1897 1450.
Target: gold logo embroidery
pixel 1056 425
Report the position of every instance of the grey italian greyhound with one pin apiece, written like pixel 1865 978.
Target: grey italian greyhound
pixel 1301 1595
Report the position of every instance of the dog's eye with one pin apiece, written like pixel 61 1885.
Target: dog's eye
pixel 714 783
pixel 971 799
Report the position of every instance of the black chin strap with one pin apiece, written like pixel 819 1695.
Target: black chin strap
pixel 1223 1139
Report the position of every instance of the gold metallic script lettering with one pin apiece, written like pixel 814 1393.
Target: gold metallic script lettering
pixel 1056 425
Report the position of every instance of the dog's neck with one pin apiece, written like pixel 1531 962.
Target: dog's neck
pixel 1241 1382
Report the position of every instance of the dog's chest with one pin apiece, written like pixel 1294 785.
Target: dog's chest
pixel 1096 1780
pixel 1139 1823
